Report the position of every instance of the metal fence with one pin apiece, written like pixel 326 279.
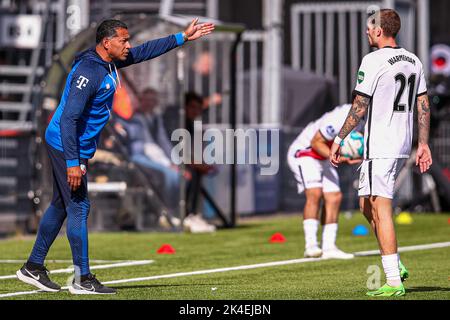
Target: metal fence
pixel 330 38
pixel 207 72
pixel 249 70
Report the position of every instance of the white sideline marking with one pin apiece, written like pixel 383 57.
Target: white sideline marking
pixel 406 249
pixel 276 263
pixel 245 267
pixel 251 266
pixel 104 266
pixel 19 293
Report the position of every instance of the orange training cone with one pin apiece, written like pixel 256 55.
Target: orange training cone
pixel 166 249
pixel 277 238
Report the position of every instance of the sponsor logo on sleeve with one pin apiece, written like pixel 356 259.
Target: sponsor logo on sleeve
pixel 360 76
pixel 330 131
pixel 82 82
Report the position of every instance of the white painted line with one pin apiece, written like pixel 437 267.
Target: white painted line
pixel 7 295
pixel 104 266
pixel 276 263
pixel 246 267
pixel 406 249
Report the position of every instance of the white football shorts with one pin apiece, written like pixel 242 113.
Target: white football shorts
pixel 312 173
pixel 377 177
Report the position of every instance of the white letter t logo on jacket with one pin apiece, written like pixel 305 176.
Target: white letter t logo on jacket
pixel 82 82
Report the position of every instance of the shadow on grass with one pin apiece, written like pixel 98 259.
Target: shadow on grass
pixel 427 289
pixel 239 227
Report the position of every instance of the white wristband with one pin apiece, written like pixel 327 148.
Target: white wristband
pixel 337 140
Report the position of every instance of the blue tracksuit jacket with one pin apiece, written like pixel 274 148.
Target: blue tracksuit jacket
pixel 86 102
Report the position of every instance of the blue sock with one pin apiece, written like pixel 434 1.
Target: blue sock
pixel 77 215
pixel 48 230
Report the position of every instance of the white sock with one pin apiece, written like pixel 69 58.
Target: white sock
pixel 329 233
pixel 310 226
pixel 391 269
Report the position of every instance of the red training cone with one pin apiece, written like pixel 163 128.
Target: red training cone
pixel 277 238
pixel 166 249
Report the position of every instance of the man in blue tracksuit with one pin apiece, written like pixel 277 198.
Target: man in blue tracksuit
pixel 72 138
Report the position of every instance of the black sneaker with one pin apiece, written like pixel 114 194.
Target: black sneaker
pixel 90 286
pixel 38 278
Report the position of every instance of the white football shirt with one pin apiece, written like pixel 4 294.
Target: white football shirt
pixel 329 125
pixel 392 78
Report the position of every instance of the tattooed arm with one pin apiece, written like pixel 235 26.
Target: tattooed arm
pixel 423 155
pixel 423 109
pixel 356 113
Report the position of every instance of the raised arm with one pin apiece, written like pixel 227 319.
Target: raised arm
pixel 195 31
pixel 151 49
pixel 423 155
pixel 357 112
pixel 155 48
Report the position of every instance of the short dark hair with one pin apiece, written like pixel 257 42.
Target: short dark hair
pixel 108 29
pixel 389 21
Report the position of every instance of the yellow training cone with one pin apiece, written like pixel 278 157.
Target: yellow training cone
pixel 404 218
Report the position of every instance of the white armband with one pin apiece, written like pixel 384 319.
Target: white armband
pixel 337 140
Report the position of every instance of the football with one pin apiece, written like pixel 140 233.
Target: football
pixel 353 146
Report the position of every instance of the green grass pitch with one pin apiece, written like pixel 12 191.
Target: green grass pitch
pixel 246 245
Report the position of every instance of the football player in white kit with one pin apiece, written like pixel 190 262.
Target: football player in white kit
pixel 390 85
pixel 308 160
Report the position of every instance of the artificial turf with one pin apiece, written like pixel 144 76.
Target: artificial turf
pixel 246 244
